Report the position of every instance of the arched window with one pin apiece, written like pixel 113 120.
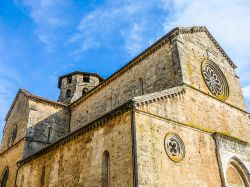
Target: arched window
pixel 141 86
pixel 4 177
pixel 237 174
pixel 42 180
pixel 105 169
pixel 68 93
pixel 84 91
pixel 49 133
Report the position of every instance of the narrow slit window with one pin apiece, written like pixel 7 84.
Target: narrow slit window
pixel 105 169
pixel 42 180
pixel 141 86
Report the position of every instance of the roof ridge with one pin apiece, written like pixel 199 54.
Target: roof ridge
pixel 34 98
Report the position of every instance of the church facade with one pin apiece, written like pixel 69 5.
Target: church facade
pixel 175 115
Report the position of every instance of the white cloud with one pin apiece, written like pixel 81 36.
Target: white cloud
pixel 48 15
pixel 132 21
pixel 246 92
pixel 227 20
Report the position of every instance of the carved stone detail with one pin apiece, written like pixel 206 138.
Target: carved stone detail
pixel 174 147
pixel 230 144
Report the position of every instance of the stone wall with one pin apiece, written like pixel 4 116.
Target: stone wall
pixel 198 110
pixel 47 124
pixel 157 72
pixel 17 118
pixel 76 87
pixel 9 159
pixel 193 48
pixel 78 162
pixel 198 168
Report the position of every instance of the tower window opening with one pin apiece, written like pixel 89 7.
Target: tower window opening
pixel 86 79
pixel 69 80
pixel 68 93
pixel 84 91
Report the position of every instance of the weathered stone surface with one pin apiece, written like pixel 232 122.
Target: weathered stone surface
pixel 79 162
pixel 161 91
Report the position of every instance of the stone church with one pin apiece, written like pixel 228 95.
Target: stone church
pixel 174 116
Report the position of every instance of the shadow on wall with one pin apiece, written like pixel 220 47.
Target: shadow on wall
pixel 46 132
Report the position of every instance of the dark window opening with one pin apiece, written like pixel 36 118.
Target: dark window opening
pixel 68 93
pixel 69 80
pixel 105 169
pixel 42 180
pixel 84 91
pixel 5 177
pixel 86 79
pixel 49 134
pixel 141 86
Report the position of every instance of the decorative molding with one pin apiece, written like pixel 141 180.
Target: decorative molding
pixel 174 147
pixel 157 96
pixel 230 144
pixel 215 79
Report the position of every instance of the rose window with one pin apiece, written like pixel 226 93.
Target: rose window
pixel 215 80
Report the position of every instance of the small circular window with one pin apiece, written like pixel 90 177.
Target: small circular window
pixel 215 80
pixel 174 147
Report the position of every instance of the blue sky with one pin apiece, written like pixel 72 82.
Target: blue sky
pixel 43 39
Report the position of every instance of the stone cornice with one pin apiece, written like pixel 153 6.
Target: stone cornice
pixel 157 96
pixel 129 105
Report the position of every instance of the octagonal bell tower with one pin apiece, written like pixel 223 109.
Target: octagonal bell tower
pixel 73 85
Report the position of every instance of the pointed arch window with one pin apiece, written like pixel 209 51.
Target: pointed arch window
pixel 4 177
pixel 237 174
pixel 105 169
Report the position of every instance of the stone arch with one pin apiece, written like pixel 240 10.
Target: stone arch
pixel 237 174
pixel 105 169
pixel 4 177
